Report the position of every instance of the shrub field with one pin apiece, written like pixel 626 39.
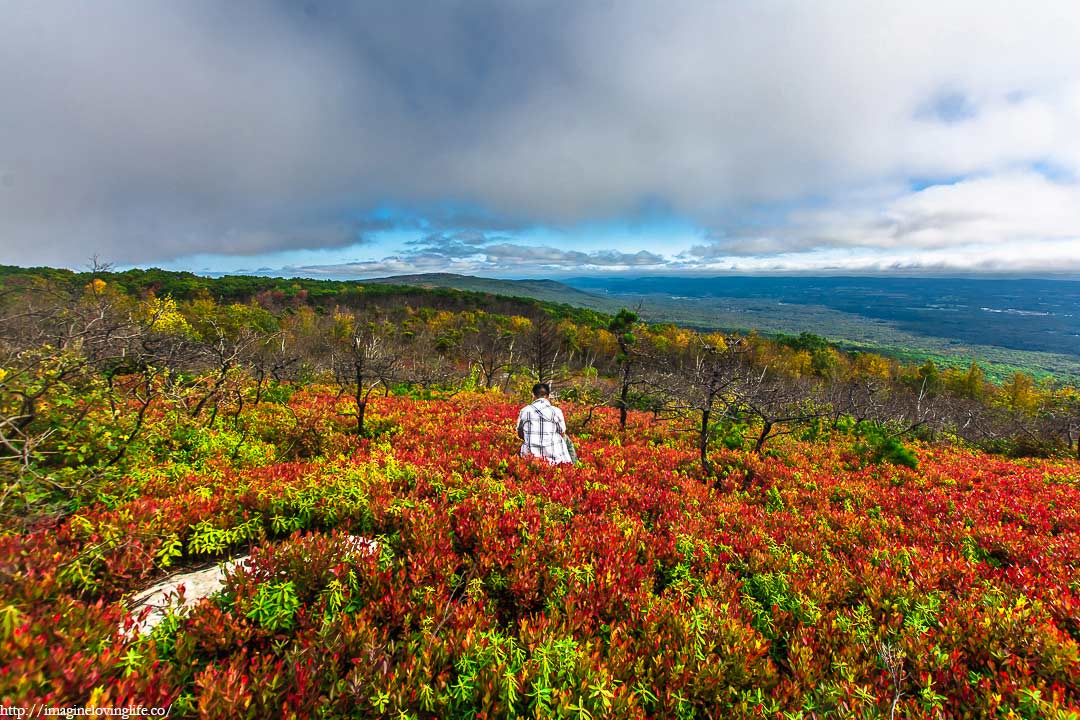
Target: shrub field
pixel 808 582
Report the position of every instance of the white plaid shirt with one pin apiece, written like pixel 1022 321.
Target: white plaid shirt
pixel 542 425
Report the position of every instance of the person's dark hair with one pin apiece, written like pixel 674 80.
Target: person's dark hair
pixel 541 390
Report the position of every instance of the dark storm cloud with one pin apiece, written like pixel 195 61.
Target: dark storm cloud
pixel 143 131
pixel 462 244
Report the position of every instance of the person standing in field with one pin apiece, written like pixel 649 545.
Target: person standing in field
pixel 542 428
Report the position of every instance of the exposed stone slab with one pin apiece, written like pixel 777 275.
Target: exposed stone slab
pixel 164 596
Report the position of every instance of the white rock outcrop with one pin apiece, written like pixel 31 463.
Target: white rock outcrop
pixel 164 596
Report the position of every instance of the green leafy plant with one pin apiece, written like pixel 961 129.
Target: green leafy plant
pixel 274 605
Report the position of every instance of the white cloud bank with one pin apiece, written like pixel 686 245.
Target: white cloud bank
pixel 1011 222
pixel 147 131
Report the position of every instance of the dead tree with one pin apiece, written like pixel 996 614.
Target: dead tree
pixel 542 346
pixel 778 402
pixel 363 357
pixel 699 381
pixel 490 344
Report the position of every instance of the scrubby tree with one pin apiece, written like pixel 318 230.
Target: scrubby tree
pixel 703 383
pixel 68 352
pixel 778 403
pixel 695 377
pixel 622 327
pixel 969 384
pixel 230 338
pixel 490 343
pixel 1064 417
pixel 541 346
pixel 363 356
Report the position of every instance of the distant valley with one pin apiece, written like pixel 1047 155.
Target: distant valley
pixel 1006 324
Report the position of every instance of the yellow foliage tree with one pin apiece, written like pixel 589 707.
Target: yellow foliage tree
pixel 870 365
pixel 1021 394
pixel 164 316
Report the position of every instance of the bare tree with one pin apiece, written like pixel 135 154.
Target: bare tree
pixel 778 402
pixel 1063 418
pixel 542 346
pixel 490 343
pixel 363 356
pixel 695 380
pixel 224 352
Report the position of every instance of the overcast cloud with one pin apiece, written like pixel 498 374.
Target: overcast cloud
pixel 806 136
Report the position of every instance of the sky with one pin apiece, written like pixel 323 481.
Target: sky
pixel 542 138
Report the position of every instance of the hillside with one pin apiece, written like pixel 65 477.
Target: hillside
pixel 626 587
pixel 738 310
pixel 546 290
pixel 160 328
pixel 756 527
pixel 910 319
pixel 1005 324
pixel 297 291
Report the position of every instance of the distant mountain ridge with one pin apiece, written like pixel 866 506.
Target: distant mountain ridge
pixel 537 289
